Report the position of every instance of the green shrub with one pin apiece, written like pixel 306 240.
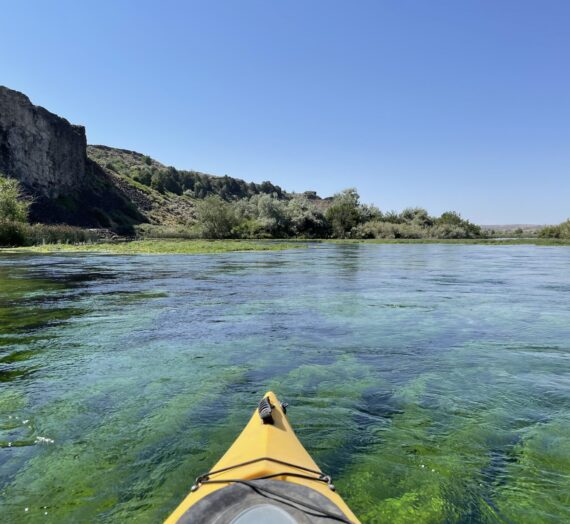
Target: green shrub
pixel 450 231
pixel 142 176
pixel 167 231
pixel 12 233
pixel 250 228
pixel 416 215
pixel 451 222
pixel 414 229
pixel 13 206
pixel 560 231
pixel 389 230
pixel 15 234
pixel 344 213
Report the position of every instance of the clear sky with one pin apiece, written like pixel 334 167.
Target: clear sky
pixel 444 104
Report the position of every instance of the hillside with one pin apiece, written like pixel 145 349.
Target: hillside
pixel 98 186
pixel 164 194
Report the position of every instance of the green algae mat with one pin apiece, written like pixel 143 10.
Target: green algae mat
pixel 431 381
pixel 160 247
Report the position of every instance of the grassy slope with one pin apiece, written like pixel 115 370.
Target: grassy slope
pixel 158 208
pixel 158 247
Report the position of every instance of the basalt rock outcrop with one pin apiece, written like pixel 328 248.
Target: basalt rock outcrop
pixel 48 155
pixel 43 151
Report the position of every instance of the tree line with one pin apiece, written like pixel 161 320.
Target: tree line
pixel 193 183
pixel 268 216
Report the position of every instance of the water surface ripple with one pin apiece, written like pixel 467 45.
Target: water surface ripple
pixel 431 381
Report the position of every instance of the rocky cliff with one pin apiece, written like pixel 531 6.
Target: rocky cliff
pixel 42 150
pixel 48 155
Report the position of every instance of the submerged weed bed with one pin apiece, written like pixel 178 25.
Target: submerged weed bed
pixel 429 381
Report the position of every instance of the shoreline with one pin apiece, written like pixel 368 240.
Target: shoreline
pixel 474 241
pixel 157 247
pixel 180 246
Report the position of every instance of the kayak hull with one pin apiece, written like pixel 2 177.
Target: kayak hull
pixel 264 452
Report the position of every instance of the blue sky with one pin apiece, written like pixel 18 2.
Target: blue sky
pixel 444 104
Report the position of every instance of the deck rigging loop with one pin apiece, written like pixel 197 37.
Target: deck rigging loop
pixel 320 476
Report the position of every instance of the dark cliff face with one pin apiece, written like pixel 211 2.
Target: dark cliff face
pixel 42 150
pixel 48 155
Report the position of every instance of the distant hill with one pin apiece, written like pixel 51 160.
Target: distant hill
pixel 503 227
pixel 527 228
pixel 100 186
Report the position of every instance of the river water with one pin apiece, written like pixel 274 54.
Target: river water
pixel 431 381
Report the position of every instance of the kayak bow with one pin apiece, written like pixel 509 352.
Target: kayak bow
pixel 265 476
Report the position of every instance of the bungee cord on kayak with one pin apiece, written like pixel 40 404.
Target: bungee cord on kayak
pixel 203 479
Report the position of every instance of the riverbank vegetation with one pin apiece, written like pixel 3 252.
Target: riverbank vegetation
pixel 475 241
pixel 15 229
pixel 561 231
pixel 259 215
pixel 266 216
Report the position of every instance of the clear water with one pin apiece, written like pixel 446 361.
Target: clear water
pixel 431 381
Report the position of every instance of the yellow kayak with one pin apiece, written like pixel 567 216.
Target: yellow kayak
pixel 266 476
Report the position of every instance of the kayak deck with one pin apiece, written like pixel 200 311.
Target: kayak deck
pixel 267 453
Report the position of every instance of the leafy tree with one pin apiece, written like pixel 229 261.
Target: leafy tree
pixel 418 216
pixel 344 213
pixel 13 206
pixel 143 176
pixel 172 181
pixel 272 213
pixel 216 218
pixel 306 219
pixel 369 212
pixel 267 187
pixel 392 217
pixel 457 227
pixel 450 217
pixel 157 181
